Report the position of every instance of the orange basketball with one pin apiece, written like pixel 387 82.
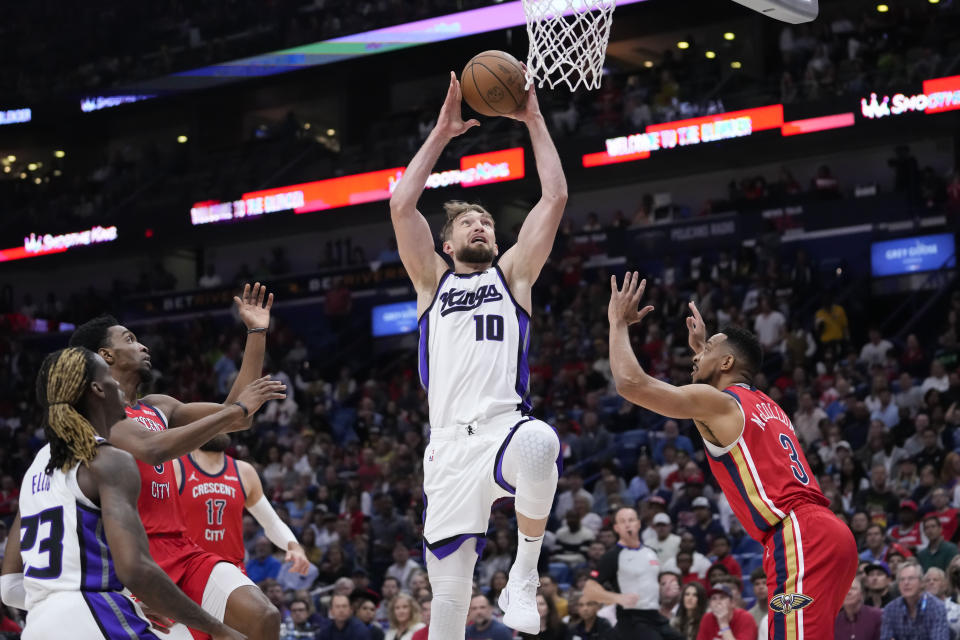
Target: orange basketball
pixel 493 83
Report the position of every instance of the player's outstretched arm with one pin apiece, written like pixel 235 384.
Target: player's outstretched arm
pixel 522 263
pixel 253 307
pixel 263 512
pixel 593 592
pixel 699 402
pixel 11 580
pixel 414 240
pixel 118 483
pixel 156 447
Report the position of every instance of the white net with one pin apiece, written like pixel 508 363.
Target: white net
pixel 568 41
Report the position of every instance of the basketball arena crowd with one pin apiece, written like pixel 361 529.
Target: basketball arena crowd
pixel 341 457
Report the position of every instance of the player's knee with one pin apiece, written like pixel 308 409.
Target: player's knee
pixel 538 447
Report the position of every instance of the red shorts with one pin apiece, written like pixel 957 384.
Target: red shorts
pixel 185 562
pixel 810 559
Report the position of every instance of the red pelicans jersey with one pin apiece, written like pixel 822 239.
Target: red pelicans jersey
pixel 764 474
pixel 212 506
pixel 159 504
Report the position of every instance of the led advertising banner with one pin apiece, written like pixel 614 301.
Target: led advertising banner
pixel 394 319
pixel 939 95
pixel 375 186
pixel 40 245
pixel 912 255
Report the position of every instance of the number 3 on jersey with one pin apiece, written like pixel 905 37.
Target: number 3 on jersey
pixel 798 471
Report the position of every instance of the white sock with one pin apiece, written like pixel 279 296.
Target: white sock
pixel 528 553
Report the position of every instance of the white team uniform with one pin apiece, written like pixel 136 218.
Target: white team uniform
pixel 72 589
pixel 474 340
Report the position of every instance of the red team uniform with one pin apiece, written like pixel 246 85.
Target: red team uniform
pixel 187 564
pixel 215 520
pixel 810 556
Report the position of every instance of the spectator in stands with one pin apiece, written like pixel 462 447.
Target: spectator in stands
pixel 857 621
pixel 833 328
pixel 571 539
pixel 671 437
pixel 481 625
pixel 877 591
pixel 551 628
pixel 935 583
pixel 262 565
pixel 721 555
pixel 947 515
pixel 661 538
pixel 590 627
pixel 723 617
pixel 549 588
pixel 299 625
pixel 574 489
pixel 403 565
pixel 693 606
pixel 669 594
pixel 908 533
pixel 938 552
pixel 343 626
pixel 707 526
pixel 915 614
pixel 588 518
pixel 874 352
pixel 365 610
pixel 769 325
pixel 758 579
pixel 878 500
pixel 938 379
pixel 388 591
pixel 807 418
pixel 404 617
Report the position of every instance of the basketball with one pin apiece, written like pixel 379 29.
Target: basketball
pixel 493 83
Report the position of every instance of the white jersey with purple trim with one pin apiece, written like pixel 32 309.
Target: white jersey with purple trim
pixel 62 542
pixel 68 573
pixel 474 340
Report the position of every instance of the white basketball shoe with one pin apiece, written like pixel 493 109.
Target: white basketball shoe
pixel 518 601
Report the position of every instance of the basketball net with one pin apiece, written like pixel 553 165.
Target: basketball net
pixel 568 41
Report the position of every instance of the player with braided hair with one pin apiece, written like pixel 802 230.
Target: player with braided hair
pixel 80 539
pixel 160 429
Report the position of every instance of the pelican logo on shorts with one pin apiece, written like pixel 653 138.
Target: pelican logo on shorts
pixel 159 468
pixel 786 602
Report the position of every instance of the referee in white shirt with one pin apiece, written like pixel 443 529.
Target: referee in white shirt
pixel 628 576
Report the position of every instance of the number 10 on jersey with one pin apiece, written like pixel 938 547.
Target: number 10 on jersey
pixel 489 327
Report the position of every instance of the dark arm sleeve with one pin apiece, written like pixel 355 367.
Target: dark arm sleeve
pixel 606 573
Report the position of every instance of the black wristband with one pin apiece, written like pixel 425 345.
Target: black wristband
pixel 243 407
pixel 257 330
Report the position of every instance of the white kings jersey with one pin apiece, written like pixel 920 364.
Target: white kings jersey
pixel 474 340
pixel 62 541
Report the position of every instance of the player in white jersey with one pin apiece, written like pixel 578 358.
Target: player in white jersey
pixel 80 539
pixel 474 336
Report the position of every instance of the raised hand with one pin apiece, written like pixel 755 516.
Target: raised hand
pixel 696 329
pixel 260 391
pixel 531 110
pixel 450 122
pixel 624 303
pixel 250 305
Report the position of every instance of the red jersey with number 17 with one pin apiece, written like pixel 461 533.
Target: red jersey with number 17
pixel 213 507
pixel 158 504
pixel 764 474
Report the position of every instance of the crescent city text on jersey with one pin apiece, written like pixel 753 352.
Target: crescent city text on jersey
pixel 213 487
